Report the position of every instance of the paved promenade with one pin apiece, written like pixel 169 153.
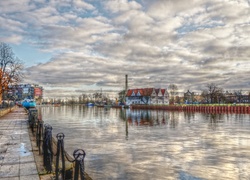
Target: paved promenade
pixel 16 156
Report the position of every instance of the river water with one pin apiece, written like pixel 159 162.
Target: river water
pixel 144 144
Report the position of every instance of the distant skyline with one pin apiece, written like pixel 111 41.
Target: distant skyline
pixel 73 46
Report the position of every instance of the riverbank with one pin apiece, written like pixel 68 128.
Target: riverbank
pixel 241 109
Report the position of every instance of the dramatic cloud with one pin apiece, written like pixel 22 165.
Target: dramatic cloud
pixel 95 43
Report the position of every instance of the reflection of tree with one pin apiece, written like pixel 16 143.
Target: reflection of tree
pixel 188 116
pixel 174 117
pixel 123 115
pixel 213 119
pixel 126 129
pixel 157 118
pixel 150 117
pixel 239 118
pixel 166 118
pixel 163 118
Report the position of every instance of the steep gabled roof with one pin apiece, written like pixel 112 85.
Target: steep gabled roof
pixel 142 91
pixel 157 91
pixel 163 91
pixel 135 91
pixel 129 92
pixel 147 91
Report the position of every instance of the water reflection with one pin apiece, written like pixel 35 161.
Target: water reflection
pixel 150 118
pixel 141 144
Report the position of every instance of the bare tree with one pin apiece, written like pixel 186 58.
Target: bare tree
pixel 97 96
pixel 10 68
pixel 239 95
pixel 122 95
pixel 84 98
pixel 173 90
pixel 206 97
pixel 80 99
pixel 213 93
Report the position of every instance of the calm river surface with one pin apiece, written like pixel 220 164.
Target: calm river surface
pixel 141 144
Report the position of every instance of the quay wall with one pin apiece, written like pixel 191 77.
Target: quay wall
pixel 239 109
pixel 6 110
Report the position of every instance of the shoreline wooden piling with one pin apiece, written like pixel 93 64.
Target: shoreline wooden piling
pixel 238 109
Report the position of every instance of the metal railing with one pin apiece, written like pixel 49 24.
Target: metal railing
pixel 50 148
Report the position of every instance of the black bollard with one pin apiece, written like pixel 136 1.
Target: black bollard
pixel 32 118
pixel 47 148
pixel 39 134
pixel 79 156
pixel 60 151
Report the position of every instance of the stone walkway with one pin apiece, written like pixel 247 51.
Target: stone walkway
pixel 16 156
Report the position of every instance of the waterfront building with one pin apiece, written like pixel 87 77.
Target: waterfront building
pixel 147 96
pixel 237 97
pixel 189 97
pixel 22 91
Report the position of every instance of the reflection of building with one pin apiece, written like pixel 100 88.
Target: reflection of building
pixel 147 96
pixel 146 118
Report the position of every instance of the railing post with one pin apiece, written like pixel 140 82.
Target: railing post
pixel 79 156
pixel 47 148
pixel 60 151
pixel 32 118
pixel 39 134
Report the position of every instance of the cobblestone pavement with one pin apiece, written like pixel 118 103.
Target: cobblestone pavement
pixel 16 156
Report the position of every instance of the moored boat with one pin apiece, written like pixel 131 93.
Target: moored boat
pixel 117 106
pixel 90 104
pixel 29 103
pixel 99 105
pixel 107 105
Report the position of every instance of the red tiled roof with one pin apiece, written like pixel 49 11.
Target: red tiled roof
pixel 147 91
pixel 142 91
pixel 129 92
pixel 163 91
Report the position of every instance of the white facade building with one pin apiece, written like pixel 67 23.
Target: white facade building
pixel 147 96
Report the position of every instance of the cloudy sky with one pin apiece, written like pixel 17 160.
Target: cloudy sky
pixel 75 46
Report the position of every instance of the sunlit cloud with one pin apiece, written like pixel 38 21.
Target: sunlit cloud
pixel 97 43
